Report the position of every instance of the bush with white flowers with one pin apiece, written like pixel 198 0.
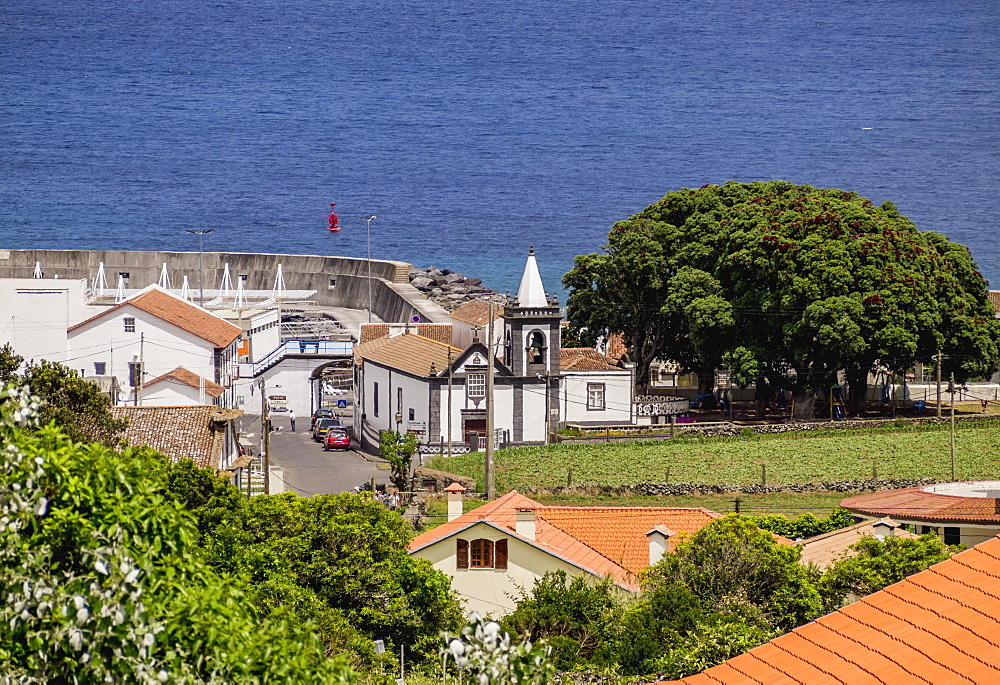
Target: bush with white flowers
pixel 488 656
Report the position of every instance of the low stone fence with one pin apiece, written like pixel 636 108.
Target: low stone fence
pixel 719 429
pixel 668 489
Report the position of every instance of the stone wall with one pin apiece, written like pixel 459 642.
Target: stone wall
pixel 669 489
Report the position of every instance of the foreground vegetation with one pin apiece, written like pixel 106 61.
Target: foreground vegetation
pixel 814 456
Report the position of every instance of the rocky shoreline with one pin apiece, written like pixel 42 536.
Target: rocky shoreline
pixel 448 289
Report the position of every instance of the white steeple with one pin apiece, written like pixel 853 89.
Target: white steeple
pixel 531 293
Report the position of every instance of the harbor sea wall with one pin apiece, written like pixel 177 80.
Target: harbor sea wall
pixel 338 281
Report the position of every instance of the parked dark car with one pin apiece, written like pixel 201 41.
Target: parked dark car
pixel 337 439
pixel 322 425
pixel 321 414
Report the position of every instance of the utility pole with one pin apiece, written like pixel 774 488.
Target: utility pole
pixel 488 475
pixel 265 438
pixel 449 399
pixel 951 389
pixel 142 368
pixel 937 363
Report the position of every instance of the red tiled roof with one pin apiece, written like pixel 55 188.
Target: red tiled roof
pixel 602 540
pixel 477 313
pixel 914 503
pixel 938 626
pixel 435 331
pixel 411 353
pixel 190 378
pixel 191 432
pixel 585 359
pixel 178 312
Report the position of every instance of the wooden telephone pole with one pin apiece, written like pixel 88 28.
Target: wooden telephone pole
pixel 488 475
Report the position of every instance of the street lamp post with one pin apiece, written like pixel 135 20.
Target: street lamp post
pixel 368 220
pixel 201 267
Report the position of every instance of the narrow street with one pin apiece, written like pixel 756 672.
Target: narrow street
pixel 299 464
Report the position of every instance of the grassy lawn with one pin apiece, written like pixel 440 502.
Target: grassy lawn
pixel 789 458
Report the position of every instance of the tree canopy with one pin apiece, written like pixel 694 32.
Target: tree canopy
pixel 103 580
pixel 75 404
pixel 787 285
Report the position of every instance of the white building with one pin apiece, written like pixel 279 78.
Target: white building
pixel 413 383
pixel 154 333
pixel 35 313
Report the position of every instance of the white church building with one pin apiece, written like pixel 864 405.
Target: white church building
pixel 413 383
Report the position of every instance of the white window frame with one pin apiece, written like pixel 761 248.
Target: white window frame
pixel 476 384
pixel 597 397
pixel 129 323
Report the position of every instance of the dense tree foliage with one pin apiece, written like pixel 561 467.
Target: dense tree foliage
pixel 76 405
pixel 875 563
pixel 804 526
pixel 338 560
pixel 787 285
pixel 728 588
pixel 398 449
pixel 103 580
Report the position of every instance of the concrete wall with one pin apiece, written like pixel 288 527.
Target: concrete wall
pixel 338 281
pixel 35 313
pixel 617 396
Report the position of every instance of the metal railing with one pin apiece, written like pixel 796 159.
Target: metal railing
pixel 320 348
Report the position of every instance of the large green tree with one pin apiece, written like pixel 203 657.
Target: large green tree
pixel 75 404
pixel 103 579
pixel 338 560
pixel 787 285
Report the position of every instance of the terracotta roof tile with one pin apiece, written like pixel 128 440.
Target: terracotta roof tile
pixel 179 312
pixel 619 533
pixel 938 626
pixel 585 359
pixel 915 503
pixel 189 378
pixel 603 540
pixel 442 332
pixel 411 353
pixel 191 432
pixel 477 313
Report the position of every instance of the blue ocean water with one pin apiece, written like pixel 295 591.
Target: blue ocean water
pixel 475 129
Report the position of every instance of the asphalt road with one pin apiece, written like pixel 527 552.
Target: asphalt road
pixel 305 468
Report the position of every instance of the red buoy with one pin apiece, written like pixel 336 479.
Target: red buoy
pixel 332 220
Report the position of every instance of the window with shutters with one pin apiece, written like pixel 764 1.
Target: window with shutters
pixel 481 553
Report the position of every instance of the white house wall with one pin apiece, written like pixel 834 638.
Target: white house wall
pixel 617 396
pixel 162 346
pixel 491 592
pixel 35 313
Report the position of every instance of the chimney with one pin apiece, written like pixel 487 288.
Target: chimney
pixel 524 523
pixel 454 500
pixel 659 542
pixel 883 529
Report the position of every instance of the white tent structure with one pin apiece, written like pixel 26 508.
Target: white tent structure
pixel 38 271
pixel 226 287
pixel 164 277
pixel 120 295
pixel 186 289
pixel 101 282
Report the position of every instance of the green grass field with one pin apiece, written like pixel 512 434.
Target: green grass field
pixel 789 458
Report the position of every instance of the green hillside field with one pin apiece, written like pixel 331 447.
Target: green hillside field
pixel 803 457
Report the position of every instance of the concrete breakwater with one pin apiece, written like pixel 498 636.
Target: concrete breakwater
pixel 448 288
pixel 337 281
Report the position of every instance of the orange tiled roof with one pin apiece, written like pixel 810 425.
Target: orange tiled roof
pixel 411 353
pixel 938 626
pixel 190 378
pixel 585 359
pixel 602 540
pixel 824 549
pixel 435 331
pixel 180 313
pixel 619 533
pixel 913 503
pixel 477 313
pixel 192 432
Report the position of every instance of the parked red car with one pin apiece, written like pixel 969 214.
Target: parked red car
pixel 337 439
